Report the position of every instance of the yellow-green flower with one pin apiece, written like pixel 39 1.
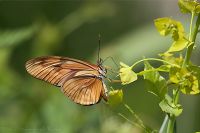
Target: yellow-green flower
pixel 126 74
pixel 115 97
pixel 187 80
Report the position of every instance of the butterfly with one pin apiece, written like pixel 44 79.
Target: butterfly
pixel 80 81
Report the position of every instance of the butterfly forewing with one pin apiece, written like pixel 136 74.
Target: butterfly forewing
pixel 79 80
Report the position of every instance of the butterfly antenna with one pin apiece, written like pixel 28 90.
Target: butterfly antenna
pixel 99 49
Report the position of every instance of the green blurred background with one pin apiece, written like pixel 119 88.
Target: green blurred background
pixel 70 28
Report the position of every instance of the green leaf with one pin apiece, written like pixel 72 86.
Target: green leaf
pixel 195 70
pixel 168 106
pixel 126 74
pixel 178 61
pixel 178 45
pixel 168 26
pixel 190 85
pixel 189 6
pixel 164 68
pixel 174 75
pixel 186 78
pixel 115 97
pixel 163 26
pixel 156 84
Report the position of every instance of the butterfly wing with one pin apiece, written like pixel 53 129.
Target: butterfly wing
pixel 78 79
pixel 55 69
pixel 84 90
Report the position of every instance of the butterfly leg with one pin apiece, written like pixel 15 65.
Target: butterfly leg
pixel 113 80
pixel 109 57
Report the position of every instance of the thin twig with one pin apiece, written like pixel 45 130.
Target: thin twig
pixel 131 122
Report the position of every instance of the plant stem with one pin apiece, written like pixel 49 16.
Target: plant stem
pixel 172 118
pixel 164 125
pixel 191 24
pixel 171 122
pixel 153 59
pixel 131 122
pixel 138 122
pixel 176 96
pixel 192 38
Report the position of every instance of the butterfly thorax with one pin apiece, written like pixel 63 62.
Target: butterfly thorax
pixel 102 72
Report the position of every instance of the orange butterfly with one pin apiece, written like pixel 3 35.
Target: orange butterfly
pixel 82 82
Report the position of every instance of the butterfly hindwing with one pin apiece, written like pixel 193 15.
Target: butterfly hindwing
pixel 83 90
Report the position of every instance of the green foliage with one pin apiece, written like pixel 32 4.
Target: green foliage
pixel 164 68
pixel 186 80
pixel 180 72
pixel 155 83
pixel 189 6
pixel 167 105
pixel 168 26
pixel 177 61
